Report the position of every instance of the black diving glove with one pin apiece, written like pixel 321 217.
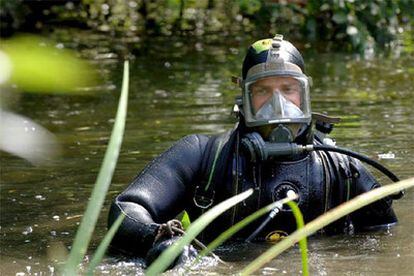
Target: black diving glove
pixel 168 234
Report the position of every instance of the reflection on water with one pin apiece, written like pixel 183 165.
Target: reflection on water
pixel 178 90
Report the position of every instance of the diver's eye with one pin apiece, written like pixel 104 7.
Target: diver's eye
pixel 290 89
pixel 260 92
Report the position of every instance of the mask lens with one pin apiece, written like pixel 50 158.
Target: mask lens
pixel 278 98
pixel 278 106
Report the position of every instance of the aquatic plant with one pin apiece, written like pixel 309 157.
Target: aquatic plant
pixel 169 255
pixel 240 225
pixel 302 242
pixel 303 231
pixel 325 219
pixel 243 223
pixel 104 244
pixel 90 217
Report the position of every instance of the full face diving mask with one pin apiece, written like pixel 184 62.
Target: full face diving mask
pixel 276 92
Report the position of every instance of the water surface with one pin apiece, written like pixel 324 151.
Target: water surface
pixel 182 89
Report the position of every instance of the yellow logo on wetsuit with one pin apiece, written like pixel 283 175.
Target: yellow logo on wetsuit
pixel 276 236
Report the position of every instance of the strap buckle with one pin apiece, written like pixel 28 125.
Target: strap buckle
pixel 203 201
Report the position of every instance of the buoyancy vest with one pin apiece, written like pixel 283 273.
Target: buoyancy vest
pixel 322 180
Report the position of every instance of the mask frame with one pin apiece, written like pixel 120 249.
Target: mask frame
pixel 248 109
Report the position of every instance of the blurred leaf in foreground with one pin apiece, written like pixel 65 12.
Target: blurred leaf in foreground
pixel 22 137
pixel 39 65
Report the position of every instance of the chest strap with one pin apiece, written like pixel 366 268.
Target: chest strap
pixel 217 148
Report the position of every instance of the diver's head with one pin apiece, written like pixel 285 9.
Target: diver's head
pixel 276 91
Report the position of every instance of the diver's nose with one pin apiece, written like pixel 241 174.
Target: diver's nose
pixel 276 92
pixel 277 100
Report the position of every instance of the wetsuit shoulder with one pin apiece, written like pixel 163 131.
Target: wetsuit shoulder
pixel 351 179
pixel 157 194
pixel 378 215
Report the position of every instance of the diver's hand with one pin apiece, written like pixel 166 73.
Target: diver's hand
pixel 169 229
pixel 168 234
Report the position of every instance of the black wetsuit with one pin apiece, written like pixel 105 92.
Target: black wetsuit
pixel 167 186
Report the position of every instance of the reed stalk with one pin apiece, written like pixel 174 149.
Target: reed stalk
pixel 169 255
pixel 325 219
pixel 90 217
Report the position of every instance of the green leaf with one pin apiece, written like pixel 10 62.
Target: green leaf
pixel 102 183
pixel 302 242
pixel 38 66
pixel 169 255
pixel 103 246
pixel 325 219
pixel 185 220
pixel 240 225
pixel 250 6
pixel 340 18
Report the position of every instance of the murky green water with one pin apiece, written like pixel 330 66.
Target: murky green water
pixel 181 87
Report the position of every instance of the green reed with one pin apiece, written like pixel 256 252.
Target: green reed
pixel 302 242
pixel 103 246
pixel 334 214
pixel 90 217
pixel 169 255
pixel 241 224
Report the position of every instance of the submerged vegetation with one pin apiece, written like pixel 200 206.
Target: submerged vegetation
pixel 350 25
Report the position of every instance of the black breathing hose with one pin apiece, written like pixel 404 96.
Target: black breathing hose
pixel 271 215
pixel 361 157
pixel 293 148
pixel 365 159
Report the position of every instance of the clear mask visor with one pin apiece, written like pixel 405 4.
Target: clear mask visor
pixel 277 99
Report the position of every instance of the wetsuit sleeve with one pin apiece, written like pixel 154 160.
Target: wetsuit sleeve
pixel 157 194
pixel 377 215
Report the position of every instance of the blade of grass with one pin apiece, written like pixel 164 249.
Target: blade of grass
pixel 85 230
pixel 240 225
pixel 103 246
pixel 323 220
pixel 169 255
pixel 302 242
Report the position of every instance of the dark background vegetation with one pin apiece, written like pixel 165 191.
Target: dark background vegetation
pixel 349 25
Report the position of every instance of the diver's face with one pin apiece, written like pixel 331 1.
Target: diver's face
pixel 262 90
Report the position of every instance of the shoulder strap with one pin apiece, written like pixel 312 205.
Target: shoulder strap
pixel 217 148
pixel 342 190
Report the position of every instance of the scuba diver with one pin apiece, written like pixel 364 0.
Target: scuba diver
pixel 277 147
